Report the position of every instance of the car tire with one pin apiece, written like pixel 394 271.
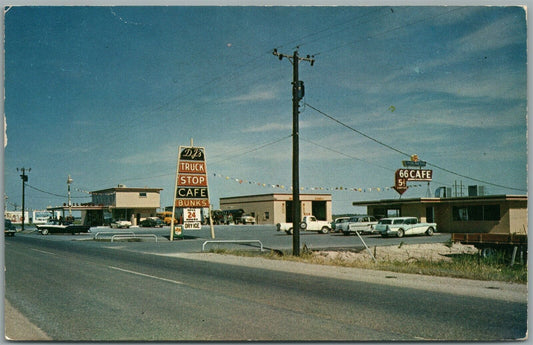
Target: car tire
pixel 324 230
pixel 430 231
pixel 488 252
pixel 400 233
pixel 44 231
pixel 289 232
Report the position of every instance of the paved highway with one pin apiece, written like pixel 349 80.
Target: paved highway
pixel 86 291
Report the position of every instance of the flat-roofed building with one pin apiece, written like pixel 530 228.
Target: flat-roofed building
pixel 495 214
pixel 277 207
pixel 117 203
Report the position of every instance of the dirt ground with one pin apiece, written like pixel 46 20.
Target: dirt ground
pixel 434 251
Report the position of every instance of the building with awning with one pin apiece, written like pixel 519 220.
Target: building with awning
pixel 117 203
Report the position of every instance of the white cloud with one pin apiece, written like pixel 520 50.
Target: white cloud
pixel 494 35
pixel 260 94
pixel 271 126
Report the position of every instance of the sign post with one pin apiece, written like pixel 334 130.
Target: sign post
pixel 191 192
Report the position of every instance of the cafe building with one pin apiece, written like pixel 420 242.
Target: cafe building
pixel 497 214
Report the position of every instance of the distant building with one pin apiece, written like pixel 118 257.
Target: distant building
pixel 118 203
pixel 497 214
pixel 16 217
pixel 277 208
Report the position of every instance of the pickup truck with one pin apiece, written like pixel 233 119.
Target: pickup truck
pixel 309 223
pixel 361 224
pixel 402 226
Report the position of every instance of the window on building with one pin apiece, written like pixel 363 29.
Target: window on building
pixel 393 212
pixel 267 215
pixel 476 213
pixel 142 194
pixel 491 212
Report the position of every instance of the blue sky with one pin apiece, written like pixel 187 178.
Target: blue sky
pixel 107 94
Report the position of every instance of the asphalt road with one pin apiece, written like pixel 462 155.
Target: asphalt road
pixel 83 290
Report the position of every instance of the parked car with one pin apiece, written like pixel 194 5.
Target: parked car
pixel 61 226
pixel 9 228
pixel 309 223
pixel 334 227
pixel 247 219
pixel 119 224
pixel 152 222
pixel 403 226
pixel 361 224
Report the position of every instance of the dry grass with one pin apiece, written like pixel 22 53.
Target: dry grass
pixel 441 259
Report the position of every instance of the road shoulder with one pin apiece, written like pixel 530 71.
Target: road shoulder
pixel 464 287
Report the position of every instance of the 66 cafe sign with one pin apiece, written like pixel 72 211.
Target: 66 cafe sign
pixel 402 176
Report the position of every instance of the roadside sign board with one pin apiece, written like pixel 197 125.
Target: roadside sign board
pixel 191 188
pixel 415 174
pixel 191 219
pixel 402 176
pixel 191 181
pixel 191 215
pixel 408 164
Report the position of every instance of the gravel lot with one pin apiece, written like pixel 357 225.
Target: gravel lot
pixel 429 251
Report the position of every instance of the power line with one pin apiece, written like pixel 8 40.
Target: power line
pixel 258 147
pixel 405 154
pixel 391 29
pixel 54 194
pixel 357 131
pixel 344 154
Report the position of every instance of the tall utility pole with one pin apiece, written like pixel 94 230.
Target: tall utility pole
pixel 69 181
pixel 297 95
pixel 24 178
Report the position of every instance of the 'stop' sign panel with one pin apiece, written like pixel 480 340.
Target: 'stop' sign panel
pixel 192 154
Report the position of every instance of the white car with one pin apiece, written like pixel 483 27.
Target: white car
pixel 361 224
pixel 247 219
pixel 402 226
pixel 119 224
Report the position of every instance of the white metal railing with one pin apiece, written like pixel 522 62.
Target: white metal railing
pixel 233 241
pixel 125 236
pixel 112 233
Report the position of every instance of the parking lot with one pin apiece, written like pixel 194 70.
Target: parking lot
pixel 193 240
